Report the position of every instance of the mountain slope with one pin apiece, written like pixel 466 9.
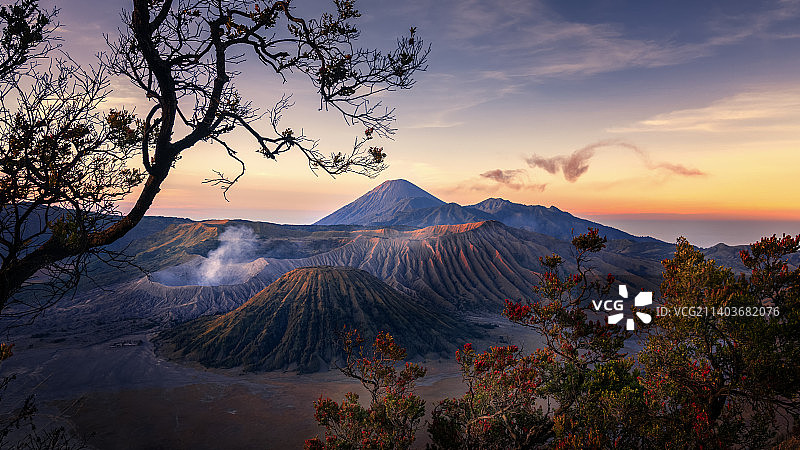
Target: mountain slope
pixel 550 221
pixel 294 321
pixel 470 267
pixel 467 267
pixel 381 204
pixel 446 214
pixel 401 203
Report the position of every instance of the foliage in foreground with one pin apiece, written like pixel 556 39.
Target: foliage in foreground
pixel 731 377
pixel 394 412
pixel 551 396
pixel 725 375
pixel 65 165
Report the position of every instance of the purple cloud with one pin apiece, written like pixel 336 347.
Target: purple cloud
pixel 515 179
pixel 574 165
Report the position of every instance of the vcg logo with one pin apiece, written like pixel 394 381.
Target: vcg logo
pixel 641 299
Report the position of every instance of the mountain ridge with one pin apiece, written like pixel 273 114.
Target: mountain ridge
pixel 465 267
pixel 402 203
pixel 292 323
pixel 381 203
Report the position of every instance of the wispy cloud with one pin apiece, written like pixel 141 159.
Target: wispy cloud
pixel 536 43
pixel 576 49
pixel 489 51
pixel 493 180
pixel 575 164
pixel 677 169
pixel 564 48
pixel 442 98
pixel 753 110
pixel 514 178
pixel 540 44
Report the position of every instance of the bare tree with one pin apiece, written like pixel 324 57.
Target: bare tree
pixel 25 36
pixel 63 162
pixel 183 55
pixel 62 165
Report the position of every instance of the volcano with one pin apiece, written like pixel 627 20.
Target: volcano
pixel 382 204
pixel 293 324
pixel 400 203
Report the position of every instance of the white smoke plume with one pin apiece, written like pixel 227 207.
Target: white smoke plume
pixel 236 244
pixel 234 262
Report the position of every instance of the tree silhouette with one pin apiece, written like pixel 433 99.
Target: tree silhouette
pixel 69 165
pixel 26 29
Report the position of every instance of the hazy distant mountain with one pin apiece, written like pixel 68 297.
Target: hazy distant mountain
pixel 294 321
pixel 550 221
pixel 446 214
pixel 401 203
pixel 381 204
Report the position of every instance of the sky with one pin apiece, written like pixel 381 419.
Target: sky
pixel 661 118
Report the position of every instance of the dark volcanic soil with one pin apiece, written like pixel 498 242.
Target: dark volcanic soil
pixel 214 416
pixel 124 397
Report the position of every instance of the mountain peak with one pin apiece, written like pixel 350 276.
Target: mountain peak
pixel 382 203
pixel 397 184
pixel 292 323
pixel 492 203
pixel 400 202
pixel 392 190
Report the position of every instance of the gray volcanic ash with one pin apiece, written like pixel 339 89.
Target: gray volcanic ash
pixel 293 323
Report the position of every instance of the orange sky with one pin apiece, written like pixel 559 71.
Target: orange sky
pixel 689 111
